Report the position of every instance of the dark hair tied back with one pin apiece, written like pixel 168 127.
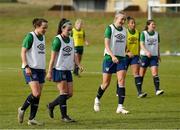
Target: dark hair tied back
pixel 60 25
pixel 37 22
pixel 129 18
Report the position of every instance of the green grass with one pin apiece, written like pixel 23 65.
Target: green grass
pixel 150 113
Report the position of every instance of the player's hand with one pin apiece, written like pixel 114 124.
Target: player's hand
pixel 49 76
pixel 148 54
pixel 159 58
pixel 81 69
pixel 130 55
pixel 86 43
pixel 115 59
pixel 28 71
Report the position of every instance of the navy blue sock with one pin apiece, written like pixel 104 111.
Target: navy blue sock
pixel 121 94
pixel 55 102
pixel 34 108
pixel 63 106
pixel 76 69
pixel 156 82
pixel 138 82
pixel 28 101
pixel 100 92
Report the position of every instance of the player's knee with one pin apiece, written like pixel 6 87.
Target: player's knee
pixel 136 73
pixel 121 81
pixel 154 74
pixel 37 94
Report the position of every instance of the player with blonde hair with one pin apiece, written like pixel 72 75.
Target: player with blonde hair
pixel 114 61
pixel 79 38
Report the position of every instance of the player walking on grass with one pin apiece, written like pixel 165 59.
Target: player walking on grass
pixel 132 54
pixel 79 38
pixel 60 66
pixel 114 61
pixel 150 53
pixel 33 64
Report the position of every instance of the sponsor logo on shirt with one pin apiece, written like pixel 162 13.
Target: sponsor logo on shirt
pixel 120 37
pixel 133 40
pixel 151 41
pixel 41 48
pixel 67 51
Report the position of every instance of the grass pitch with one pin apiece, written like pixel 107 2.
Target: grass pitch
pixel 153 112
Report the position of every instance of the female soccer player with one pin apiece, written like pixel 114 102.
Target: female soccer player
pixel 132 57
pixel 60 66
pixel 79 38
pixel 114 61
pixel 33 64
pixel 150 54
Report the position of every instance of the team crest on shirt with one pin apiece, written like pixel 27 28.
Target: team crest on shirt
pixel 64 76
pixel 34 76
pixel 143 64
pixel 67 50
pixel 107 68
pixel 120 37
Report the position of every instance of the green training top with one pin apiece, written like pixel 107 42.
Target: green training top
pixel 28 40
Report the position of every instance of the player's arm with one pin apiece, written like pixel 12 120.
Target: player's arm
pixel 23 56
pixel 107 43
pixel 78 63
pixel 139 43
pixel 142 41
pixel 84 36
pixel 127 51
pixel 159 56
pixel 56 45
pixel 26 45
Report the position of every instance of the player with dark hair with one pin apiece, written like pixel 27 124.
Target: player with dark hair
pixel 79 38
pixel 60 66
pixel 33 64
pixel 132 54
pixel 150 53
